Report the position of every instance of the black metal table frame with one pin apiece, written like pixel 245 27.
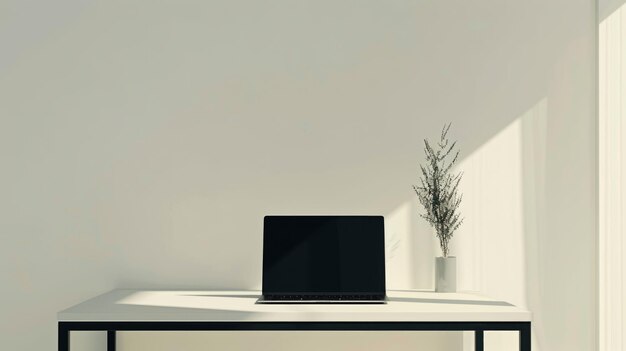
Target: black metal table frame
pixel 112 327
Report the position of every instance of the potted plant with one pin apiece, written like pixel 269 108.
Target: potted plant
pixel 438 192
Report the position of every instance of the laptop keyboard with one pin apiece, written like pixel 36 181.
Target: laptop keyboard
pixel 323 297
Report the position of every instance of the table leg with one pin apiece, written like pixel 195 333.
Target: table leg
pixel 479 340
pixel 110 340
pixel 524 338
pixel 64 338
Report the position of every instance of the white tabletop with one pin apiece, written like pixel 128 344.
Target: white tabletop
pixel 239 306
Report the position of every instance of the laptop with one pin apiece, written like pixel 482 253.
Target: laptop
pixel 323 259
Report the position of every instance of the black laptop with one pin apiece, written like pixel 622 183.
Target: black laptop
pixel 323 259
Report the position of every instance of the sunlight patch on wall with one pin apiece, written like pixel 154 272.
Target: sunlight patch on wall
pixel 489 244
pixel 503 196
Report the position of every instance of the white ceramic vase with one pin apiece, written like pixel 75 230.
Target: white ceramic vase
pixel 445 274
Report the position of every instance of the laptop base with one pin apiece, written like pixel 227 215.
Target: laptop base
pixel 299 301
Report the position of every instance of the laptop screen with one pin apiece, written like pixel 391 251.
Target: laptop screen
pixel 323 255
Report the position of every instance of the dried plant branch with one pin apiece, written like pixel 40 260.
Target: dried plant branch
pixel 438 189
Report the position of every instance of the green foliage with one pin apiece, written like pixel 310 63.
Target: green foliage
pixel 438 190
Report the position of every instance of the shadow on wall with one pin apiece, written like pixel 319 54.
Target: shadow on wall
pixel 202 206
pixel 182 190
pixel 608 7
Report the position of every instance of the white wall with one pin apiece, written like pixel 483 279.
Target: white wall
pixel 141 143
pixel 612 159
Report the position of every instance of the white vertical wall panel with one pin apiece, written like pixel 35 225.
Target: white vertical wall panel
pixel 612 96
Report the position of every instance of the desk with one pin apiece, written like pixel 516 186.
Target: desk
pixel 143 310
